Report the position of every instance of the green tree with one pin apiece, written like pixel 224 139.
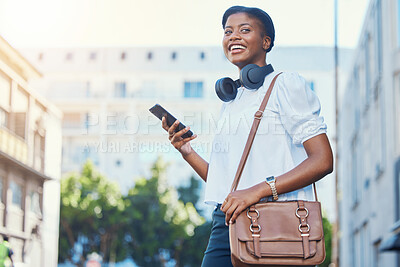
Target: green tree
pixel 91 209
pixel 195 246
pixel 190 193
pixel 159 223
pixel 328 241
pixel 151 224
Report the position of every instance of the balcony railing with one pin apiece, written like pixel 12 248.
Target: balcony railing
pixel 13 145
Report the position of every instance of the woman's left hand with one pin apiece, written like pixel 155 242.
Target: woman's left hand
pixel 239 200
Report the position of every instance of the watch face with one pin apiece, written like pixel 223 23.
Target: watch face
pixel 270 179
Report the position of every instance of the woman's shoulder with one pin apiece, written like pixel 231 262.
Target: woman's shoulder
pixel 291 79
pixel 288 87
pixel 293 91
pixel 292 84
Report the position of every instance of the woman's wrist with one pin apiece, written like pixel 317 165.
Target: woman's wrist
pixel 263 190
pixel 187 154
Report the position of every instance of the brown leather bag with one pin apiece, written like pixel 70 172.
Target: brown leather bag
pixel 276 233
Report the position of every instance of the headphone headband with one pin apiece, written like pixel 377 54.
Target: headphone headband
pixel 252 77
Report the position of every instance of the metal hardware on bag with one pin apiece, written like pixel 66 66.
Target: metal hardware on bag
pixel 297 212
pixel 259 118
pixel 255 231
pixel 305 234
pixel 255 235
pixel 258 214
pixel 308 228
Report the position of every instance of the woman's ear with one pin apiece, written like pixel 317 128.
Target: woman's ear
pixel 266 42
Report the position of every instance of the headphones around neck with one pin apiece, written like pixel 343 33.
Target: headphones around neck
pixel 251 77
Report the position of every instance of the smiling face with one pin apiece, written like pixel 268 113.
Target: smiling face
pixel 245 41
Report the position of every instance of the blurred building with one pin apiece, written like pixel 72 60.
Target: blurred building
pixel 369 144
pixel 30 158
pixel 105 94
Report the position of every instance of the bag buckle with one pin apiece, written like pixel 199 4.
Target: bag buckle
pixel 255 230
pixel 306 231
pixel 297 212
pixel 258 115
pixel 248 215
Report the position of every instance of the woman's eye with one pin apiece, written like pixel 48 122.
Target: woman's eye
pixel 228 32
pixel 245 30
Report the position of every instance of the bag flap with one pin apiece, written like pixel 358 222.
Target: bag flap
pixel 279 222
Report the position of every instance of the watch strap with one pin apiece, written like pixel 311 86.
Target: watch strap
pixel 271 182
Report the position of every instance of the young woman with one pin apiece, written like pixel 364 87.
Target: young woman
pixel 291 143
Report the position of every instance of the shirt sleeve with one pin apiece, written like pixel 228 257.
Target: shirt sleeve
pixel 299 108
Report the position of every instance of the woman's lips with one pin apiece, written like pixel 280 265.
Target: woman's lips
pixel 236 48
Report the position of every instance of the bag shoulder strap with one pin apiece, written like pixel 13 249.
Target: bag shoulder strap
pixel 256 122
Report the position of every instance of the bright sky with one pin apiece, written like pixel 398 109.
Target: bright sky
pixel 55 23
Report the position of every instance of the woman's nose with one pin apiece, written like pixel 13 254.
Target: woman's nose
pixel 235 35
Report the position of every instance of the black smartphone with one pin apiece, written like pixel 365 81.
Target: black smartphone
pixel 160 112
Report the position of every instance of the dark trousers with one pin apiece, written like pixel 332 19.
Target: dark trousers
pixel 218 253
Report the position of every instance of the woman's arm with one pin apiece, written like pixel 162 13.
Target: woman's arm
pixel 199 165
pixel 318 164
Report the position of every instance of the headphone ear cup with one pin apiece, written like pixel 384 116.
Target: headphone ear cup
pixel 252 76
pixel 226 89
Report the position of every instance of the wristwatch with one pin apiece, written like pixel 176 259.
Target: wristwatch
pixel 271 182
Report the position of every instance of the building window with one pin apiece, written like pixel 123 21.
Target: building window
pixel 5 90
pixel 311 85
pixel 368 66
pixel 1 189
pixel 379 141
pixel 120 89
pixel 35 203
pixel 356 86
pixel 397 113
pixel 398 23
pixel 378 35
pixel 173 55
pixel 202 55
pixel 88 86
pixel 149 56
pixel 193 89
pixel 375 260
pixel 354 172
pixel 123 56
pixel 3 118
pixel 361 246
pixel 39 148
pixel 353 254
pixel 93 56
pixel 69 56
pixel 90 121
pixel 397 189
pixel 16 190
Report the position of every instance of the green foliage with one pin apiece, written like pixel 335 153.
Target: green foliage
pixel 91 209
pixel 190 193
pixel 150 225
pixel 160 222
pixel 195 246
pixel 328 241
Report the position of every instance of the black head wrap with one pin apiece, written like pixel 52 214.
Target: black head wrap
pixel 257 13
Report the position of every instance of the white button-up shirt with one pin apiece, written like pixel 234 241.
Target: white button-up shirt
pixel 290 118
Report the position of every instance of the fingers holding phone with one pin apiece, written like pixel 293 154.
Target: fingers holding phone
pixel 178 139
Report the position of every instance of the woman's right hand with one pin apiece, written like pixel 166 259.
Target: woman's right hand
pixel 181 144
